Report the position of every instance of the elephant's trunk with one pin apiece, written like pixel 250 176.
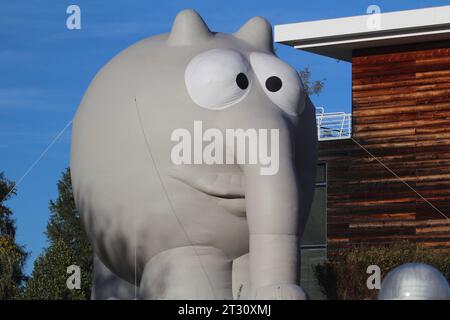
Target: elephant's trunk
pixel 273 213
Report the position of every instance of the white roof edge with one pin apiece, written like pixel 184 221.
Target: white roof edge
pixel 393 25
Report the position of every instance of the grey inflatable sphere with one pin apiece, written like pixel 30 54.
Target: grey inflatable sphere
pixel 414 281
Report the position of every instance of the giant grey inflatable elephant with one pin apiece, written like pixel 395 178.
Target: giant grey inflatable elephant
pixel 193 165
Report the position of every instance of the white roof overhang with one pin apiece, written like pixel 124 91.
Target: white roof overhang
pixel 338 38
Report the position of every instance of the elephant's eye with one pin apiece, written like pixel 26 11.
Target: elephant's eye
pixel 218 78
pixel 273 84
pixel 242 81
pixel 280 81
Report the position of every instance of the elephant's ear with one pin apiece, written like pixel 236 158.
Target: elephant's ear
pixel 188 29
pixel 257 32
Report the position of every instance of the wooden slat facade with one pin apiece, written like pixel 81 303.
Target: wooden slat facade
pixel 401 114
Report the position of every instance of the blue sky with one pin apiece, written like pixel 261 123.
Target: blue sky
pixel 45 69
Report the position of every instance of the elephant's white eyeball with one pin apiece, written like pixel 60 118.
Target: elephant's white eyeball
pixel 280 82
pixel 218 78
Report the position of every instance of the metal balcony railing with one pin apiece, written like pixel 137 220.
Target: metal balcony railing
pixel 333 125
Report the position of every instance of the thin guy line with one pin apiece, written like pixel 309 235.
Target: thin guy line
pixel 403 181
pixel 37 160
pixel 147 142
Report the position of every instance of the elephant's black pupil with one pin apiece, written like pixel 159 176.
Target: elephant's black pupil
pixel 242 81
pixel 273 84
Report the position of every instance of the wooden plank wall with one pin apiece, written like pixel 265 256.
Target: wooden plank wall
pixel 401 114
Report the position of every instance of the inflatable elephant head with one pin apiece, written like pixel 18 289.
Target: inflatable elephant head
pixel 193 165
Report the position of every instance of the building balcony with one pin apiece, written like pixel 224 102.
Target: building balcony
pixel 333 125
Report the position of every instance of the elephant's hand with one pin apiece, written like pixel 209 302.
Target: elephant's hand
pixel 281 292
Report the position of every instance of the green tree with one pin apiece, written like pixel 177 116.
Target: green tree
pixel 313 87
pixel 65 223
pixel 49 277
pixel 7 225
pixel 68 245
pixel 12 255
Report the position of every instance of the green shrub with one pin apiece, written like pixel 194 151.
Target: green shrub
pixel 344 276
